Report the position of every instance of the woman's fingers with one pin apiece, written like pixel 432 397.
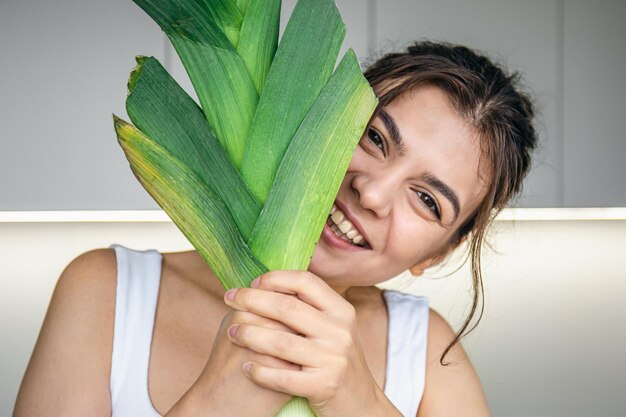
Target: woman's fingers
pixel 299 299
pixel 287 309
pixel 306 286
pixel 289 381
pixel 279 344
pixel 246 317
pixel 332 367
pixel 312 385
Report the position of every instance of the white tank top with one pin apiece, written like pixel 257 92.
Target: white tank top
pixel 138 281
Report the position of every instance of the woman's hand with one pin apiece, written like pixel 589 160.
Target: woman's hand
pixel 222 389
pixel 324 342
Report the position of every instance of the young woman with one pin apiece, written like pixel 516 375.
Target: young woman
pixel 132 333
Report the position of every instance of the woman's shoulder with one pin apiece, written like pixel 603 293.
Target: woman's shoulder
pixel 87 285
pixel 75 342
pixel 94 267
pixel 456 379
pixel 84 296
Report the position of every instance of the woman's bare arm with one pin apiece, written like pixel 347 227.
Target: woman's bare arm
pixel 68 373
pixel 452 390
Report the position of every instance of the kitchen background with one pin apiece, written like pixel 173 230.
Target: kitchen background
pixel 550 343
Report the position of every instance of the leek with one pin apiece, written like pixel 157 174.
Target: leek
pixel 250 175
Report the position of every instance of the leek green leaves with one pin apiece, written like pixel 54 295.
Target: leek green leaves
pixel 249 175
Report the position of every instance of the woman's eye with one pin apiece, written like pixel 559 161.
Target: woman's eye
pixel 376 139
pixel 429 202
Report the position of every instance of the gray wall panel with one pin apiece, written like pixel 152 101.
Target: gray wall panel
pixel 595 103
pixel 64 68
pixel 63 73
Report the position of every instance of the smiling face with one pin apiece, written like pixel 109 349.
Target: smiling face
pixel 414 179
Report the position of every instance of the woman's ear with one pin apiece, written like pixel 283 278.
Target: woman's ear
pixel 419 268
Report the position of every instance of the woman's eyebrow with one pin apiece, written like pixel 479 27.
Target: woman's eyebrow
pixel 393 130
pixel 446 191
pixel 430 179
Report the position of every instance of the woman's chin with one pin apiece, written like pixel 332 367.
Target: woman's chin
pixel 337 273
pixel 331 270
pixel 318 263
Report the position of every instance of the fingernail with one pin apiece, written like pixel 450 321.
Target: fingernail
pixel 230 294
pixel 232 330
pixel 247 366
pixel 255 282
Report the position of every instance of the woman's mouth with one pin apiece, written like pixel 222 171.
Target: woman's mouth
pixel 342 233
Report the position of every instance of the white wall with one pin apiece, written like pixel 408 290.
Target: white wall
pixel 64 65
pixel 550 344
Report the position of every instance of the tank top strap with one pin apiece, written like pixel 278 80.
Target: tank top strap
pixel 406 350
pixel 138 282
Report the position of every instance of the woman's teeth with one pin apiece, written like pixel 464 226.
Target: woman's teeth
pixel 344 228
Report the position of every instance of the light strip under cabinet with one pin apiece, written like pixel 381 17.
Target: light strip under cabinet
pixel 562 214
pixel 86 216
pixel 159 216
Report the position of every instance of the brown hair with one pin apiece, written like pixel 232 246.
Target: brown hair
pixel 493 103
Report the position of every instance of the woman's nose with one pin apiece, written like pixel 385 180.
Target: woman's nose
pixel 373 194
